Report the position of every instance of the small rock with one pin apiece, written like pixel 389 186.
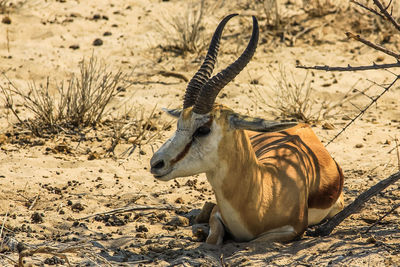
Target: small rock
pixel 141 235
pixel 77 207
pixel 179 200
pixel 141 228
pixel 97 42
pixel 359 145
pixel 93 155
pixel 6 20
pixel 107 33
pixel 179 221
pixel 53 261
pixel 157 248
pixel 74 46
pixel 37 218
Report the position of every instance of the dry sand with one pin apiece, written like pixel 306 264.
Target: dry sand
pixel 45 191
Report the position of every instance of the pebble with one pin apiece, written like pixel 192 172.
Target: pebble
pixel 97 42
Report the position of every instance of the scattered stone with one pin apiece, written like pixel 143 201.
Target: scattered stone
pixel 54 261
pixel 97 42
pixel 141 235
pixel 37 217
pixel 359 145
pixel 77 207
pixel 157 248
pixel 93 155
pixel 179 221
pixel 62 148
pixel 179 200
pixel 6 20
pixel 74 46
pixel 107 33
pixel 141 228
pixel 96 16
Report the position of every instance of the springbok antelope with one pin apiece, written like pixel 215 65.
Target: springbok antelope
pixel 271 180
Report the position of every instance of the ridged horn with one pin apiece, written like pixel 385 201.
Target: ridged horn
pixel 212 87
pixel 206 69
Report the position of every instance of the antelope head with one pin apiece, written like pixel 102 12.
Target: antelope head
pixel 202 124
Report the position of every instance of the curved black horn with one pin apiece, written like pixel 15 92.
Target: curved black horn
pixel 206 69
pixel 211 88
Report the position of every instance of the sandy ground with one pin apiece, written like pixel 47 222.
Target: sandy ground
pixel 57 197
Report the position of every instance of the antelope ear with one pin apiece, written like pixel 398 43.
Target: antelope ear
pixel 238 121
pixel 176 113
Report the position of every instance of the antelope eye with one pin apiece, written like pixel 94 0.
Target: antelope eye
pixel 202 131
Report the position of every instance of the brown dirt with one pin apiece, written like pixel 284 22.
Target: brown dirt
pixel 48 184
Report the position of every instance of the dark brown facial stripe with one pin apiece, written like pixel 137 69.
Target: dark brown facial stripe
pixel 187 147
pixel 182 154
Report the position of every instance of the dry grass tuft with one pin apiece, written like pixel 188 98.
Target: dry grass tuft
pixel 139 129
pixel 296 100
pixel 187 28
pixel 79 103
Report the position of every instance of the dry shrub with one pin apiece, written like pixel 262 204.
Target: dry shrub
pixel 291 99
pixel 138 128
pixel 8 6
pixel 78 103
pixel 319 8
pixel 187 28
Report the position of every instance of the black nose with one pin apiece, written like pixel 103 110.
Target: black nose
pixel 158 165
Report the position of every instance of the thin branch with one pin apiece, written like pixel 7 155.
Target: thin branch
pixel 368 8
pixel 351 68
pixel 364 110
pixel 127 209
pixel 382 217
pixel 326 228
pixel 167 73
pixel 387 15
pixel 372 45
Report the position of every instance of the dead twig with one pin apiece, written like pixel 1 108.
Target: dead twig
pixel 166 73
pixel 127 209
pixel 2 228
pixel 382 217
pixel 326 228
pixel 351 68
pixel 34 202
pixel 386 14
pixel 398 152
pixel 374 100
pixel 372 45
pixel 368 8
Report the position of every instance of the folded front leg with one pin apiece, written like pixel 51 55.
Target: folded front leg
pixel 217 230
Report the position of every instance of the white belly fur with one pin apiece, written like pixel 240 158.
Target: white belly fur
pixel 315 216
pixel 233 221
